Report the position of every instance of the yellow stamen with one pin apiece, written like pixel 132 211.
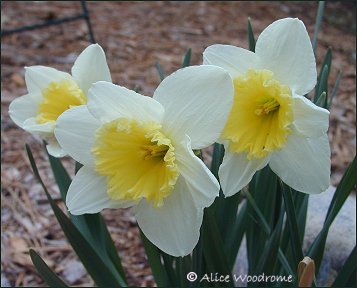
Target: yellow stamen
pixel 267 106
pixel 137 159
pixel 57 98
pixel 260 119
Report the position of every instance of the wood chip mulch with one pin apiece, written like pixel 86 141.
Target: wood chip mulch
pixel 134 35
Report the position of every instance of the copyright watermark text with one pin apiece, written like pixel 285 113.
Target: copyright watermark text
pixel 219 278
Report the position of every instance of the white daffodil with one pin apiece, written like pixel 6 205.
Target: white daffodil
pixel 137 151
pixel 51 92
pixel 271 122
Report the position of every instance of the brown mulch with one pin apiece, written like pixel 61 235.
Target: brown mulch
pixel 134 35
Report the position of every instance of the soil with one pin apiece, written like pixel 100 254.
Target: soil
pixel 135 36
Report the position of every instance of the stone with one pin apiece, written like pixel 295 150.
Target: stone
pixel 341 238
pixel 73 271
pixel 340 241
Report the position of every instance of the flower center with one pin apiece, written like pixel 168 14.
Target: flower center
pixel 57 98
pixel 137 159
pixel 268 105
pixel 260 119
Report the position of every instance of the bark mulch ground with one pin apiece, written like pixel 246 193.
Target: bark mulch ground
pixel 134 35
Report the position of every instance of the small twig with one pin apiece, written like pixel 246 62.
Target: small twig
pixel 42 201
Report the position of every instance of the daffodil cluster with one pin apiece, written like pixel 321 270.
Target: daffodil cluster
pixel 137 151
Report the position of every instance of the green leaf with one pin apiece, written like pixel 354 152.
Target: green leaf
pixel 137 88
pixel 187 58
pixel 348 182
pixel 263 188
pixel 265 227
pixel 154 258
pixel 94 230
pixel 50 277
pixel 78 165
pixel 251 39
pixel 213 246
pixel 183 267
pixel 234 239
pixel 322 83
pixel 346 277
pixel 319 16
pixel 321 101
pixel 61 175
pixel 101 274
pixel 301 204
pixel 335 88
pixel 217 157
pixel 292 224
pixel 226 218
pixel 268 257
pixel 169 262
pixel 326 62
pixel 160 70
pixel 197 260
pixel 91 226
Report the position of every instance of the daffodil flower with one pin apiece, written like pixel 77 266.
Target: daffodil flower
pixel 271 122
pixel 138 151
pixel 51 92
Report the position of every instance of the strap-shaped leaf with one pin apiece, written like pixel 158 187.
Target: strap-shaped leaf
pixel 187 58
pixel 251 39
pixel 198 265
pixel 348 182
pixel 91 226
pixel 217 157
pixel 169 262
pixel 213 247
pixel 322 80
pixel 227 218
pixel 154 258
pixel 183 267
pixel 234 239
pixel 62 178
pixel 265 227
pixel 101 274
pixel 321 101
pixel 47 274
pixel 160 70
pixel 268 199
pixel 322 83
pixel 292 223
pixel 335 88
pixel 347 275
pixel 268 258
pixel 319 16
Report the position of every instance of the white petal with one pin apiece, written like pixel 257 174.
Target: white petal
pixel 197 102
pixel 309 120
pixel 107 102
pixel 304 163
pixel 90 67
pixel 55 149
pixel 88 194
pixel 204 186
pixel 174 227
pixel 75 132
pixel 235 60
pixel 284 47
pixel 32 126
pixel 23 108
pixel 39 77
pixel 236 171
